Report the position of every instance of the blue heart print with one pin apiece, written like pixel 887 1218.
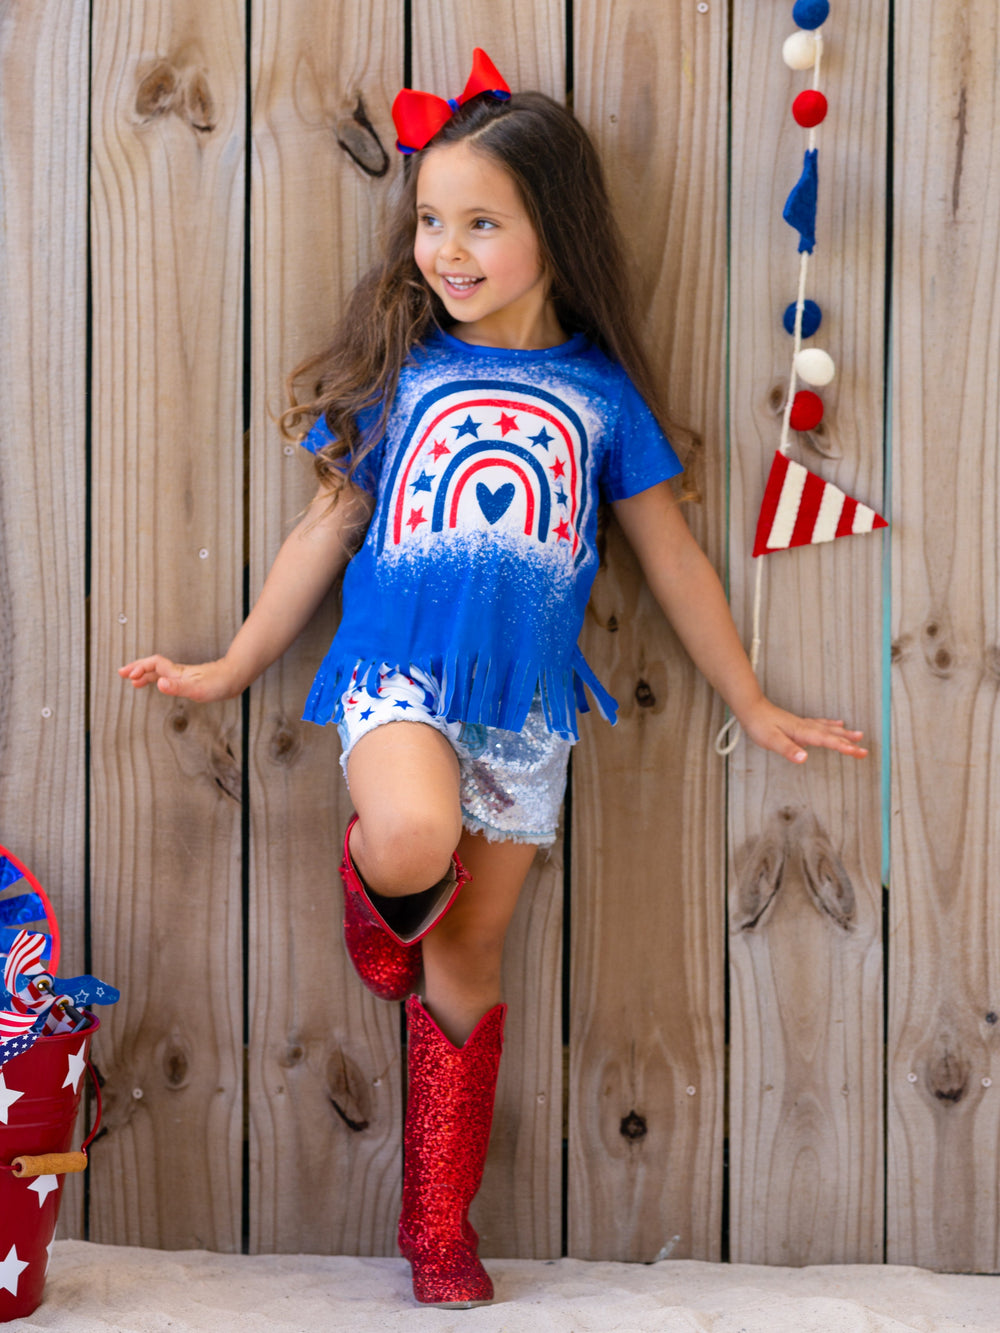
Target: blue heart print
pixel 494 504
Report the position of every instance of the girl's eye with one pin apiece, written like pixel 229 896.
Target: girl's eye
pixel 483 224
pixel 427 219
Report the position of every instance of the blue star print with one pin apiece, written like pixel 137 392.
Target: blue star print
pixel 403 703
pixel 561 497
pixel 367 714
pixel 423 482
pixel 468 427
pixel 542 438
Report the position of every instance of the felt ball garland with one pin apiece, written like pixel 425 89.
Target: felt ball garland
pixel 799 508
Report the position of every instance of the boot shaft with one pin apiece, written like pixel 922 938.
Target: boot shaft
pixel 449 1114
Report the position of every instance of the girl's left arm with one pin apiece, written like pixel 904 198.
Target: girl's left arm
pixel 689 591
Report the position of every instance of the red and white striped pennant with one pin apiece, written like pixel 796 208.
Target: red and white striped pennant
pixel 800 509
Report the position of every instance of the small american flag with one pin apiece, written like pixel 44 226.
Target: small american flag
pixel 13 1024
pixel 16 1046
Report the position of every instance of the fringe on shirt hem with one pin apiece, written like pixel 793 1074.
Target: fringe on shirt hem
pixel 475 690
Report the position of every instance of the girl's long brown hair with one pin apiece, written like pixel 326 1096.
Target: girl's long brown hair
pixel 551 159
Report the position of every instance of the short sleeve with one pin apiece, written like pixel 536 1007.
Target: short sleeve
pixel 366 474
pixel 640 455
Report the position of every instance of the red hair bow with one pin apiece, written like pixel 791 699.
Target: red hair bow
pixel 418 116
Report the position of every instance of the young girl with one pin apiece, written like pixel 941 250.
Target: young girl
pixel 484 390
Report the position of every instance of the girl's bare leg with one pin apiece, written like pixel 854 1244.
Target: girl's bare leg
pixel 462 954
pixel 404 785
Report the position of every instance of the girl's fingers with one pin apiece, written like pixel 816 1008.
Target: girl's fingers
pixel 146 670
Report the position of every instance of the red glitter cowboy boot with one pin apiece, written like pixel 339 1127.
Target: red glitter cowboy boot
pixel 382 934
pixel 449 1111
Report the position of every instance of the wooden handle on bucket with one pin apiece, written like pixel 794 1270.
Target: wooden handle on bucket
pixel 50 1164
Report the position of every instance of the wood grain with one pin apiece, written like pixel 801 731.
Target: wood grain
pixel 167 252
pixel 944 1047
pixel 324 1066
pixel 646 1020
pixel 518 1209
pixel 43 274
pixel 806 1152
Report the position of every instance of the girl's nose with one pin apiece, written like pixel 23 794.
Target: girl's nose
pixel 451 247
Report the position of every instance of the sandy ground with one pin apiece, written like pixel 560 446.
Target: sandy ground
pixel 100 1288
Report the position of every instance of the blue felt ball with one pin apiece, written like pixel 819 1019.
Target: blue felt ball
pixel 811 13
pixel 811 318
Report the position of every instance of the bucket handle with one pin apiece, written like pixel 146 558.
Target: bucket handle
pixel 59 1163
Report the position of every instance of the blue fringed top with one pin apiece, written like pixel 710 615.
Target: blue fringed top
pixel 481 552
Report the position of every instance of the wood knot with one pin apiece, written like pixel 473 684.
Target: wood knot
pixel 644 696
pixel 776 398
pixel 199 105
pixel 633 1127
pixel 359 139
pixel 349 1092
pixel 794 847
pixel 898 648
pixel 612 625
pixel 178 719
pixel 821 442
pixel 163 89
pixel 157 91
pixel 948 1076
pixel 938 654
pixel 991 1018
pixel 176 1067
pixel 285 744
pixel 225 770
pixel 294 1055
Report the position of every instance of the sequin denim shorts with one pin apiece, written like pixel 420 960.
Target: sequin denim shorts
pixel 511 783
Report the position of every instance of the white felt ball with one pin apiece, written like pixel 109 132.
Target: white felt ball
pixel 799 50
pixel 815 366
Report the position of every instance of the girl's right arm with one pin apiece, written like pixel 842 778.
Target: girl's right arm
pixel 310 559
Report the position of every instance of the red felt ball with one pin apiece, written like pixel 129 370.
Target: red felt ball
pixel 807 410
pixel 809 108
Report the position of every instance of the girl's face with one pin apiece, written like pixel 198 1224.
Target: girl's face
pixel 477 249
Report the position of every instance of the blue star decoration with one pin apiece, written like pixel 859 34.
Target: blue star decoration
pixel 468 427
pixel 561 497
pixel 423 483
pixel 402 703
pixel 367 714
pixel 542 439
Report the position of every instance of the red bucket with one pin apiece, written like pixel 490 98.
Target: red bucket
pixel 39 1100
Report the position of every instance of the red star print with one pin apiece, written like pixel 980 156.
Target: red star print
pixel 416 518
pixel 562 531
pixel 557 469
pixel 439 448
pixel 506 423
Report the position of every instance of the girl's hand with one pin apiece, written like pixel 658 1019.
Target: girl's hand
pixel 203 683
pixel 785 733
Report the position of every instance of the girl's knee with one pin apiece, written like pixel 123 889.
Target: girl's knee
pixel 404 853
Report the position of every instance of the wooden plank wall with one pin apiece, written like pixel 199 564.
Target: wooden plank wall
pixel 43 433
pixel 944 1045
pixel 805 902
pixel 723 1091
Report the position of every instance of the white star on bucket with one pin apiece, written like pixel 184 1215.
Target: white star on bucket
pixel 7 1099
pixel 43 1187
pixel 76 1064
pixel 11 1269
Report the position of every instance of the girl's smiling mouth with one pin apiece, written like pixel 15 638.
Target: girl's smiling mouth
pixel 460 285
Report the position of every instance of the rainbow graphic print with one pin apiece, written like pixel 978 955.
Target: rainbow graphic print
pixel 493 456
